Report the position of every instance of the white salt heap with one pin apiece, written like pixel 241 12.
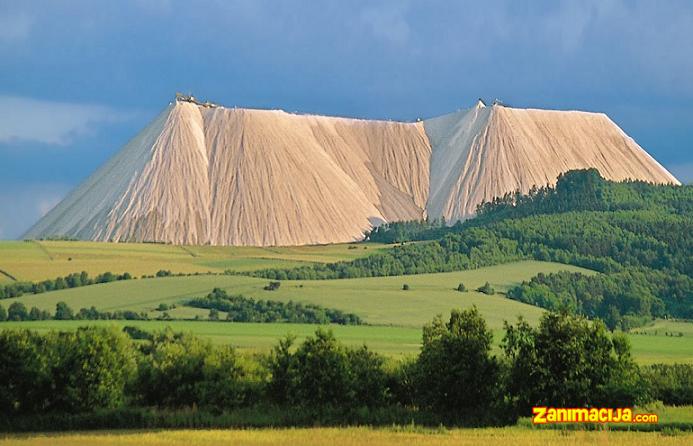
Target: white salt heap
pixel 485 152
pixel 214 175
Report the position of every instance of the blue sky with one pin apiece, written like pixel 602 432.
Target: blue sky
pixel 79 78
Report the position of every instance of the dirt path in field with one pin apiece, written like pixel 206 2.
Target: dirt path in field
pixel 8 275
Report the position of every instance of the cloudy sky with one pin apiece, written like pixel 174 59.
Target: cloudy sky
pixel 79 78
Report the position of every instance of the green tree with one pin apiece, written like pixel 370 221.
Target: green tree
pixel 568 361
pixel 281 366
pixel 91 369
pixel 320 372
pixel 63 312
pixel 519 345
pixel 17 312
pixel 169 375
pixel 3 314
pixel 368 379
pixel 457 376
pixel 626 385
pixel 461 287
pixel 670 383
pixel 324 373
pixel 34 314
pixel 228 381
pixel 23 372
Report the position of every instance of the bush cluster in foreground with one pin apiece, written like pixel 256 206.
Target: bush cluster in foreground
pixel 565 361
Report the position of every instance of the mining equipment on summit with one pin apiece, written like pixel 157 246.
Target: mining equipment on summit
pixel 180 97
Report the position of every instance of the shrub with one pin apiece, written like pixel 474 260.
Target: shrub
pixel 461 287
pixel 272 286
pixel 405 287
pixel 368 380
pixel 670 383
pixel 486 289
pixel 137 333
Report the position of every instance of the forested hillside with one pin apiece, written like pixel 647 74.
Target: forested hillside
pixel 637 234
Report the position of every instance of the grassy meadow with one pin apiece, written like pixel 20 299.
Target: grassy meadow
pixel 257 336
pixel 378 300
pixel 39 260
pixel 349 436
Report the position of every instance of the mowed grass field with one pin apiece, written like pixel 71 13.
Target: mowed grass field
pixel 39 260
pixel 350 437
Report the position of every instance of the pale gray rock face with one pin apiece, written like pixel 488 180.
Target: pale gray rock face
pixel 222 176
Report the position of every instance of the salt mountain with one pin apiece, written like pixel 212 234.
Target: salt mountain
pixel 201 174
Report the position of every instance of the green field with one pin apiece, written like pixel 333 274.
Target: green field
pixel 392 341
pixel 378 300
pixel 258 336
pixel 394 316
pixel 39 260
pixel 520 436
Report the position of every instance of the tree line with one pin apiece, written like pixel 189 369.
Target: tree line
pixel 238 309
pixel 455 379
pixel 73 280
pixel 17 311
pixel 245 309
pixel 623 300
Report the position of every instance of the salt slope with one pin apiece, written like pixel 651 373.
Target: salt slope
pixel 485 152
pixel 250 177
pixel 87 208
